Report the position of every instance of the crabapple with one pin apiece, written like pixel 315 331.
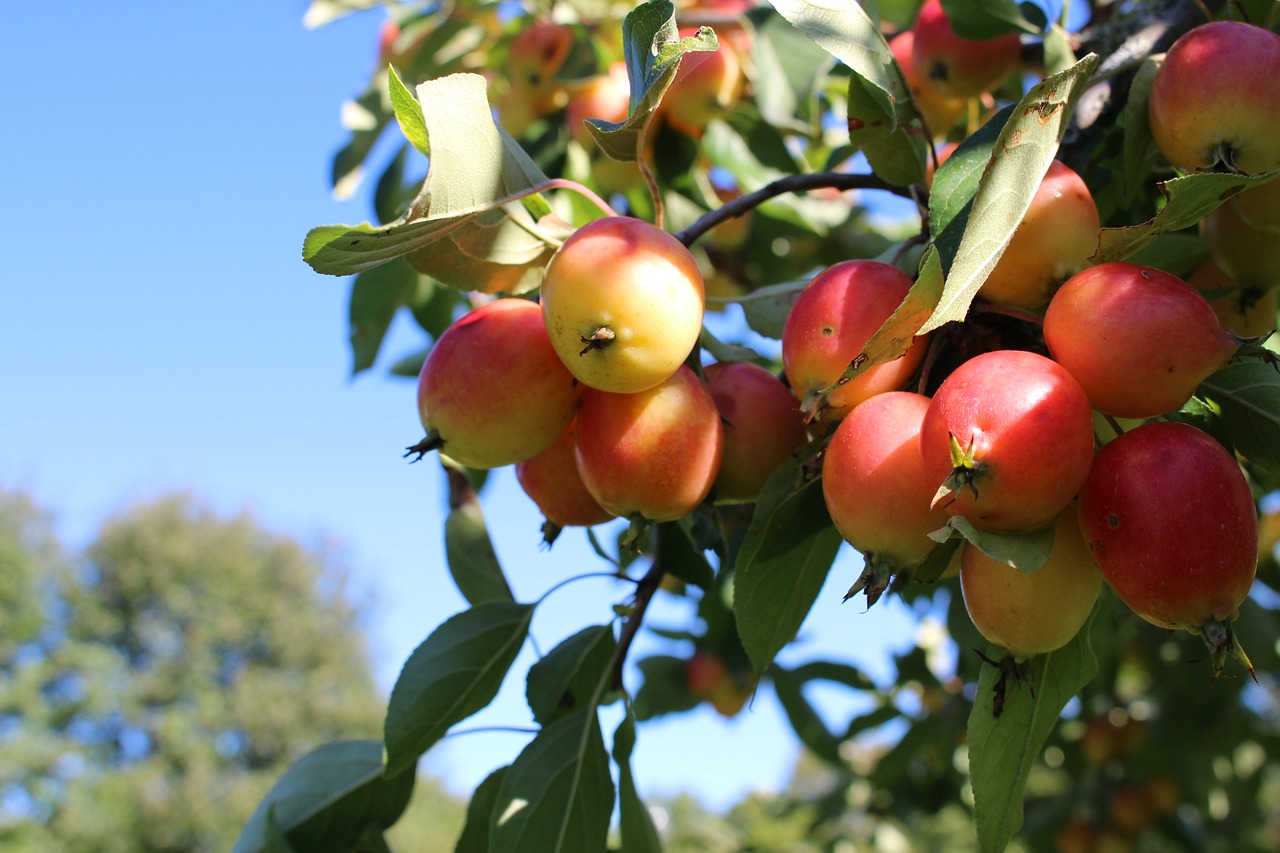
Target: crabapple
pixel 606 97
pixel 1007 440
pixel 1215 100
pixel 762 425
pixel 1137 339
pixel 623 303
pixel 653 454
pixel 829 324
pixel 1248 252
pixel 1053 241
pixel 1031 613
pixel 492 391
pixel 874 483
pixel 1170 520
pixel 955 66
pixel 707 85
pixel 1247 312
pixel 939 111
pixel 552 481
pixel 709 678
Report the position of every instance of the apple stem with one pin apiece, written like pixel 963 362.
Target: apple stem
pixel 599 339
pixel 431 441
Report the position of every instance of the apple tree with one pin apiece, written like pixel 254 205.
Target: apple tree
pixel 982 288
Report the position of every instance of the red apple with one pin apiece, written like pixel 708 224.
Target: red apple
pixel 955 66
pixel 762 425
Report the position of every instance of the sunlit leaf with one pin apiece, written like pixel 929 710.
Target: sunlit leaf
pixel 455 672
pixel 1020 158
pixel 408 113
pixel 1026 552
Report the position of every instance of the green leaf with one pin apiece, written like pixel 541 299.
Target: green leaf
pixel 1058 55
pixel 469 551
pixel 1188 199
pixel 475 832
pixel 455 672
pixel 1140 152
pixel 987 19
pixel 896 334
pixel 721 351
pixel 557 796
pixel 956 183
pixel 475 167
pixel 1026 552
pixel 408 112
pixel 898 154
pixel 366 117
pixel 850 35
pixel 635 823
pixel 1248 396
pixel 652 49
pixel 785 556
pixel 663 689
pixel 766 309
pixel 1021 156
pixel 808 726
pixel 376 295
pixel 1003 748
pixel 789 67
pixel 566 679
pixel 326 799
pixel 675 551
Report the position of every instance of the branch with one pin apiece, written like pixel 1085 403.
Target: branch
pixel 790 184
pixel 645 589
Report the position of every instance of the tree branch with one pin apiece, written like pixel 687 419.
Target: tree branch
pixel 645 589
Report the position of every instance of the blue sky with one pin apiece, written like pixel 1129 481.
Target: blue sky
pixel 159 331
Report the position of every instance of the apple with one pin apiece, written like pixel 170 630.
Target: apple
pixel 606 97
pixel 707 85
pixel 939 111
pixel 1215 100
pixel 1248 253
pixel 551 480
pixel 653 454
pixel 623 303
pixel 762 426
pixel 827 327
pixel 955 66
pixel 1247 312
pixel 493 391
pixel 1053 242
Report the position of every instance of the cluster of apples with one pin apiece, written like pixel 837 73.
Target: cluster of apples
pixel 587 391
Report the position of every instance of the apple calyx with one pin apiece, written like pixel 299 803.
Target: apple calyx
pixel 878 572
pixel 431 441
pixel 599 339
pixel 1012 673
pixel 1222 640
pixel 1253 348
pixel 1223 159
pixel 965 471
pixel 813 406
pixel 550 530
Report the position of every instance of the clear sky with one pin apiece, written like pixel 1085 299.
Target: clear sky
pixel 159 331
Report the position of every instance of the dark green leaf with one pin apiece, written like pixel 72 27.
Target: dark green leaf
pixel 1248 395
pixel 366 117
pixel 557 796
pixel 1020 158
pixel 1002 748
pixel 376 295
pixel 788 550
pixel 635 823
pixel 766 309
pixel 837 673
pixel 1140 152
pixel 454 673
pixel 390 195
pixel 664 689
pixel 326 800
pixel 1026 552
pixel 675 551
pixel 721 351
pixel 1188 200
pixel 987 19
pixel 472 562
pixel 475 832
pixel 568 677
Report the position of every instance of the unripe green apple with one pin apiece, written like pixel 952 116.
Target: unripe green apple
pixel 1031 613
pixel 762 425
pixel 1248 312
pixel 623 303
pixel 955 66
pixel 552 481
pixel 829 324
pixel 653 454
pixel 1053 242
pixel 492 391
pixel 1215 100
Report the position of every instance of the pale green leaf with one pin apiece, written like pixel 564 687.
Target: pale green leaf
pixel 1022 154
pixel 1026 552
pixel 408 112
